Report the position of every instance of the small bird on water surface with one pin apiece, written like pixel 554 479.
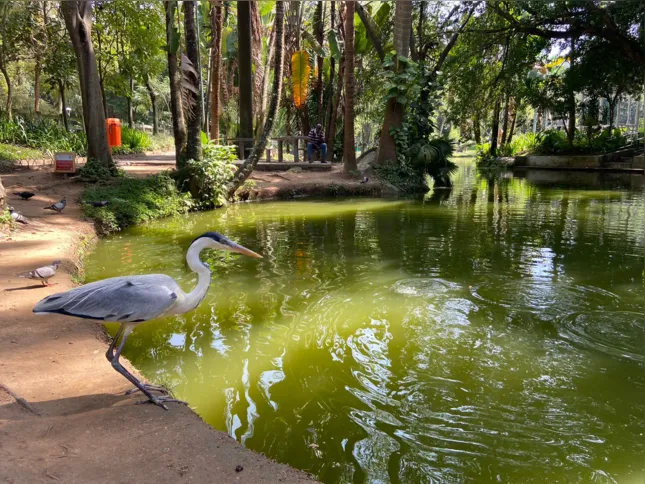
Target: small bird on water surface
pixel 131 300
pixel 58 206
pixel 18 217
pixel 24 195
pixel 42 274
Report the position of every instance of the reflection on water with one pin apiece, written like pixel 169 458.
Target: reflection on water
pixel 489 333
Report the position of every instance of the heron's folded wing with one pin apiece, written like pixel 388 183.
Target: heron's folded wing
pixel 122 299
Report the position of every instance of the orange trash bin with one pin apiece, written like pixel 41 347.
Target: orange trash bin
pixel 113 126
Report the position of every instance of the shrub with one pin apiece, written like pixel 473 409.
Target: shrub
pixel 210 175
pixel 44 134
pixel 133 141
pixel 402 176
pixel 96 171
pixel 133 201
pixel 161 142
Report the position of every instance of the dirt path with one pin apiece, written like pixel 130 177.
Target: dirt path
pixel 85 429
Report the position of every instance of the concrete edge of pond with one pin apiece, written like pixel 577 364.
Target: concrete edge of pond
pixel 63 413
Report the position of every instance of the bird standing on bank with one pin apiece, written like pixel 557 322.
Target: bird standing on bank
pixel 24 195
pixel 58 206
pixel 42 274
pixel 18 217
pixel 131 300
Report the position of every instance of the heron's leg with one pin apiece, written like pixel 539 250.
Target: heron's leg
pixel 119 368
pixel 109 354
pixel 152 388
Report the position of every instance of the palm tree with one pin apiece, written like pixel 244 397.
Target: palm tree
pixel 216 66
pixel 245 68
pixel 194 124
pixel 394 110
pixel 244 171
pixel 349 153
pixel 176 104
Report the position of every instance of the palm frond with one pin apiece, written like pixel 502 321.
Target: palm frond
pixel 189 88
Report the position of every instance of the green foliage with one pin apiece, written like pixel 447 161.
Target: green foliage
pixel 5 218
pixel 133 201
pixel 161 142
pixel 403 177
pixel 133 141
pixel 211 174
pixel 96 171
pixel 44 134
pixel 16 153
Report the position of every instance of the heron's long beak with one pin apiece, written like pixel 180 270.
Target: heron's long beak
pixel 243 250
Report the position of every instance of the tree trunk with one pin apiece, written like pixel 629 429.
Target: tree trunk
pixel 319 31
pixel 510 132
pixel 37 87
pixel 245 70
pixel 333 115
pixel 216 66
pixel 130 109
pixel 265 82
pixel 349 150
pixel 256 48
pixel 495 130
pixel 194 121
pixel 394 110
pixel 612 112
pixel 3 196
pixel 153 101
pixel 249 164
pixel 477 132
pixel 571 132
pixel 7 80
pixel 78 19
pixel 61 91
pixel 331 107
pixel 176 105
pixel 505 122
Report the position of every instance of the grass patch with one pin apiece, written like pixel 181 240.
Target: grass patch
pixel 162 142
pixel 133 201
pixel 13 153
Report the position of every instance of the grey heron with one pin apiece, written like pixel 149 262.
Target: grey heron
pixel 132 300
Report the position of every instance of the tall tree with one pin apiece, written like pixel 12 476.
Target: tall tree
pixel 495 129
pixel 78 20
pixel 394 110
pixel 349 146
pixel 216 66
pixel 174 75
pixel 194 121
pixel 245 69
pixel 244 171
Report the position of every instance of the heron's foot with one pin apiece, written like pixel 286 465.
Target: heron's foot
pixel 150 388
pixel 161 401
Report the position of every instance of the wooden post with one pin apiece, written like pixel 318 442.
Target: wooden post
pixel 296 155
pixel 279 150
pixel 241 150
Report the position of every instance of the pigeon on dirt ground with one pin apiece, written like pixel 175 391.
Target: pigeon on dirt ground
pixel 42 274
pixel 365 180
pixel 18 217
pixel 57 207
pixel 24 195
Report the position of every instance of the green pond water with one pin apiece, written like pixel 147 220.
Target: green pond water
pixel 492 333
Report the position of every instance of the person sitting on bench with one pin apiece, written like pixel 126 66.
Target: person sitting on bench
pixel 316 143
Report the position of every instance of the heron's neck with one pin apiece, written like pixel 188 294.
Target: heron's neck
pixel 196 296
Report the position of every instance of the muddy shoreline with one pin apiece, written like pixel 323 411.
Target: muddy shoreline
pixel 77 425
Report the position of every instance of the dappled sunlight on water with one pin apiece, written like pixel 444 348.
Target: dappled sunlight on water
pixel 491 333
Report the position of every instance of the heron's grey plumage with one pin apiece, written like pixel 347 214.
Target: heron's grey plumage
pixel 130 299
pixel 42 273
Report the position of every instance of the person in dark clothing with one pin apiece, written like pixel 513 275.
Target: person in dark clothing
pixel 316 143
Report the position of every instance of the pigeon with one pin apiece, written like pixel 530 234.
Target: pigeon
pixel 18 217
pixel 58 207
pixel 42 274
pixel 102 203
pixel 365 180
pixel 24 195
